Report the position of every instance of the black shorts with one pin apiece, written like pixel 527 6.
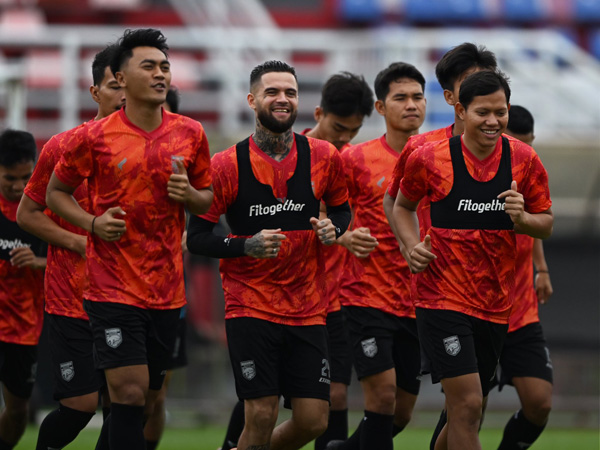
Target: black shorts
pixel 340 351
pixel 455 344
pixel 18 367
pixel 179 355
pixel 72 355
pixel 126 335
pixel 382 341
pixel 273 359
pixel 525 354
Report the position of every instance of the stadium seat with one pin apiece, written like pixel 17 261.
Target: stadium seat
pixel 524 10
pixel 360 10
pixel 445 11
pixel 586 10
pixel 594 43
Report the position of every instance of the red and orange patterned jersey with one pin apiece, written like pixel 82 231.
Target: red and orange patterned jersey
pixel 289 289
pixel 65 269
pixel 129 167
pixel 414 142
pixel 335 257
pixel 474 269
pixel 21 295
pixel 525 307
pixel 382 280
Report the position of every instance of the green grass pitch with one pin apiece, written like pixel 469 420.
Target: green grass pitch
pixel 210 438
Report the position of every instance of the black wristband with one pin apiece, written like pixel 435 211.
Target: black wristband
pixel 93 221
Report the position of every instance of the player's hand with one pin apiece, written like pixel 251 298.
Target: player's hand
pixel 543 287
pixel 421 256
pixel 514 204
pixel 108 226
pixel 264 244
pixel 178 186
pixel 360 242
pixel 324 229
pixel 24 257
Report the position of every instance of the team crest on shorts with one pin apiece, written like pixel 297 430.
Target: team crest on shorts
pixel 248 369
pixel 113 337
pixel 369 347
pixel 67 370
pixel 452 345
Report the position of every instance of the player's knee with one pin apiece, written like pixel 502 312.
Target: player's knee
pixel 468 409
pixel 261 417
pixel 129 394
pixel 313 425
pixel 338 396
pixel 539 411
pixel 17 413
pixel 383 399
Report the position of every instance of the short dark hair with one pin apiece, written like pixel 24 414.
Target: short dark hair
pixel 16 147
pixel 173 98
pixel 394 72
pixel 484 82
pixel 461 58
pixel 520 120
pixel 345 94
pixel 270 66
pixel 102 60
pixel 144 37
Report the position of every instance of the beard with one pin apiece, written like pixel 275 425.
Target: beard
pixel 274 125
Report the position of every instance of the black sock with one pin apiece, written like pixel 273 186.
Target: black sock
pixel 61 427
pixel 337 429
pixel 5 445
pixel 519 433
pixel 396 430
pixel 235 427
pixel 151 445
pixel 377 431
pixel 102 443
pixel 438 429
pixel 126 427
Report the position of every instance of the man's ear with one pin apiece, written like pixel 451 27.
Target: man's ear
pixel 120 79
pixel 380 107
pixel 94 90
pixel 251 102
pixel 460 111
pixel 318 114
pixel 449 97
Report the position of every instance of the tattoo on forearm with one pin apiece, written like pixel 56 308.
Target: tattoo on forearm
pixel 255 246
pixel 277 146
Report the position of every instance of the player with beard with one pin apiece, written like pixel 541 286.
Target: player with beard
pixel 346 100
pixel 270 187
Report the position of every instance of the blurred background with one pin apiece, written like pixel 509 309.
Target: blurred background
pixel 549 48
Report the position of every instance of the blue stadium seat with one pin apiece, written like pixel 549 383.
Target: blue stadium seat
pixel 445 11
pixel 523 11
pixel 594 43
pixel 586 10
pixel 360 10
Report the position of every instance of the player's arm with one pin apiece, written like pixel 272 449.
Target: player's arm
pixel 59 198
pixel 335 225
pixel 537 225
pixel 202 240
pixel 358 241
pixel 388 209
pixel 31 217
pixel 197 201
pixel 419 253
pixel 543 285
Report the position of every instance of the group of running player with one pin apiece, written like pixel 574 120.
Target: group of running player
pixel 407 254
